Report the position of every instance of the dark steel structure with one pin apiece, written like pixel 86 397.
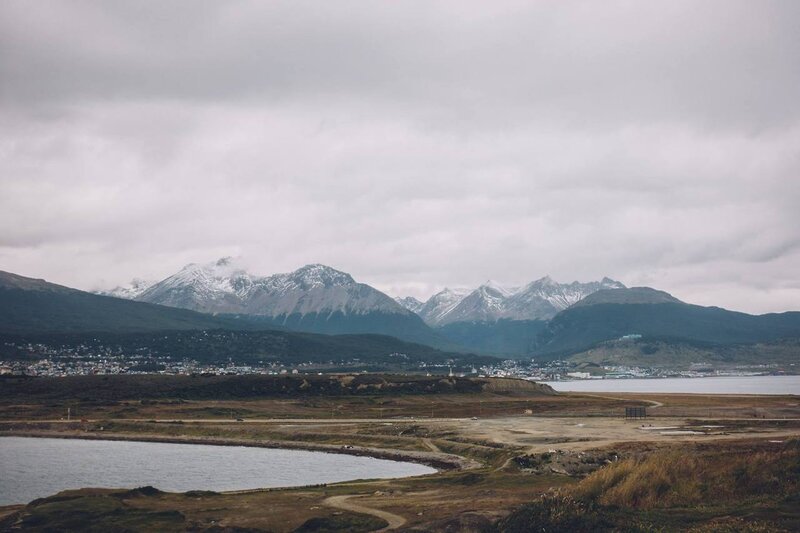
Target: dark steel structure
pixel 635 412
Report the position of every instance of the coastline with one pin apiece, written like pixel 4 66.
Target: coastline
pixel 437 460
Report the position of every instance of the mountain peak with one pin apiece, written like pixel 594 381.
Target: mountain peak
pixel 130 291
pixel 318 275
pixel 223 286
pixel 458 291
pixel 217 273
pixel 545 281
pixel 497 287
pixel 538 300
pixel 611 283
pixel 9 280
pixel 410 303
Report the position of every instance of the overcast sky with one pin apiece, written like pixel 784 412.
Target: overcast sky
pixel 415 145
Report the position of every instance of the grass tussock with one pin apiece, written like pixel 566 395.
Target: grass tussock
pixel 342 523
pixel 691 476
pixel 554 512
pixel 731 524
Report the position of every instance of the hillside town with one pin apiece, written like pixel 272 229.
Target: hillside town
pixel 56 362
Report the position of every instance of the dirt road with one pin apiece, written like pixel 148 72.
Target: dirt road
pixel 344 503
pixel 540 434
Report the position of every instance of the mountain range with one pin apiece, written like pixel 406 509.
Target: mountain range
pixel 223 287
pixel 321 299
pixel 544 318
pixel 34 312
pixel 498 319
pixel 539 300
pixel 315 298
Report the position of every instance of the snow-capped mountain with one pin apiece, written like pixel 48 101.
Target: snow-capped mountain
pixel 539 300
pixel 322 299
pixel 543 298
pixel 130 291
pixel 319 289
pixel 224 287
pixel 440 304
pixel 218 287
pixel 484 304
pixel 314 298
pixel 410 303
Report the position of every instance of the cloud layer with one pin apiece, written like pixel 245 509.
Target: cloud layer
pixel 413 144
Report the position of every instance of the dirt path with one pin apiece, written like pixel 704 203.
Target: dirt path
pixel 654 404
pixel 343 503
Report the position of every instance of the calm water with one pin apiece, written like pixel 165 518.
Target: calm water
pixel 33 468
pixel 711 385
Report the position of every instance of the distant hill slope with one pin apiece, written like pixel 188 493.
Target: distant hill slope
pixel 611 314
pixel 34 305
pixel 503 338
pixel 242 347
pixel 407 327
pixel 674 353
pixel 632 295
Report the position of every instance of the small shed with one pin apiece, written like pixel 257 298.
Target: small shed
pixel 635 412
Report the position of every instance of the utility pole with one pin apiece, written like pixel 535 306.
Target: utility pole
pixel 69 413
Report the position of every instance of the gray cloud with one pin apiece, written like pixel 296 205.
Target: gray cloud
pixel 414 144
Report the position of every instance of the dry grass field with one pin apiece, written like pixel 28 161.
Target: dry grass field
pixel 508 459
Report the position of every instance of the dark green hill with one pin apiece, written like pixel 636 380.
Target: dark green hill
pixel 507 338
pixel 243 347
pixel 407 327
pixel 30 305
pixel 584 325
pixel 651 352
pixel 632 295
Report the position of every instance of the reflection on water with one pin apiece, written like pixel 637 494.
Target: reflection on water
pixel 33 468
pixel 712 385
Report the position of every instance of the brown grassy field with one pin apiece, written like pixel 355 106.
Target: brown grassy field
pixel 484 404
pixel 698 462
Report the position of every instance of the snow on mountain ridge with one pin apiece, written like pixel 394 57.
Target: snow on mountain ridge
pixel 539 300
pixel 440 304
pixel 410 303
pixel 213 287
pixel 130 291
pixel 224 287
pixel 314 276
pixel 484 304
pixel 499 287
